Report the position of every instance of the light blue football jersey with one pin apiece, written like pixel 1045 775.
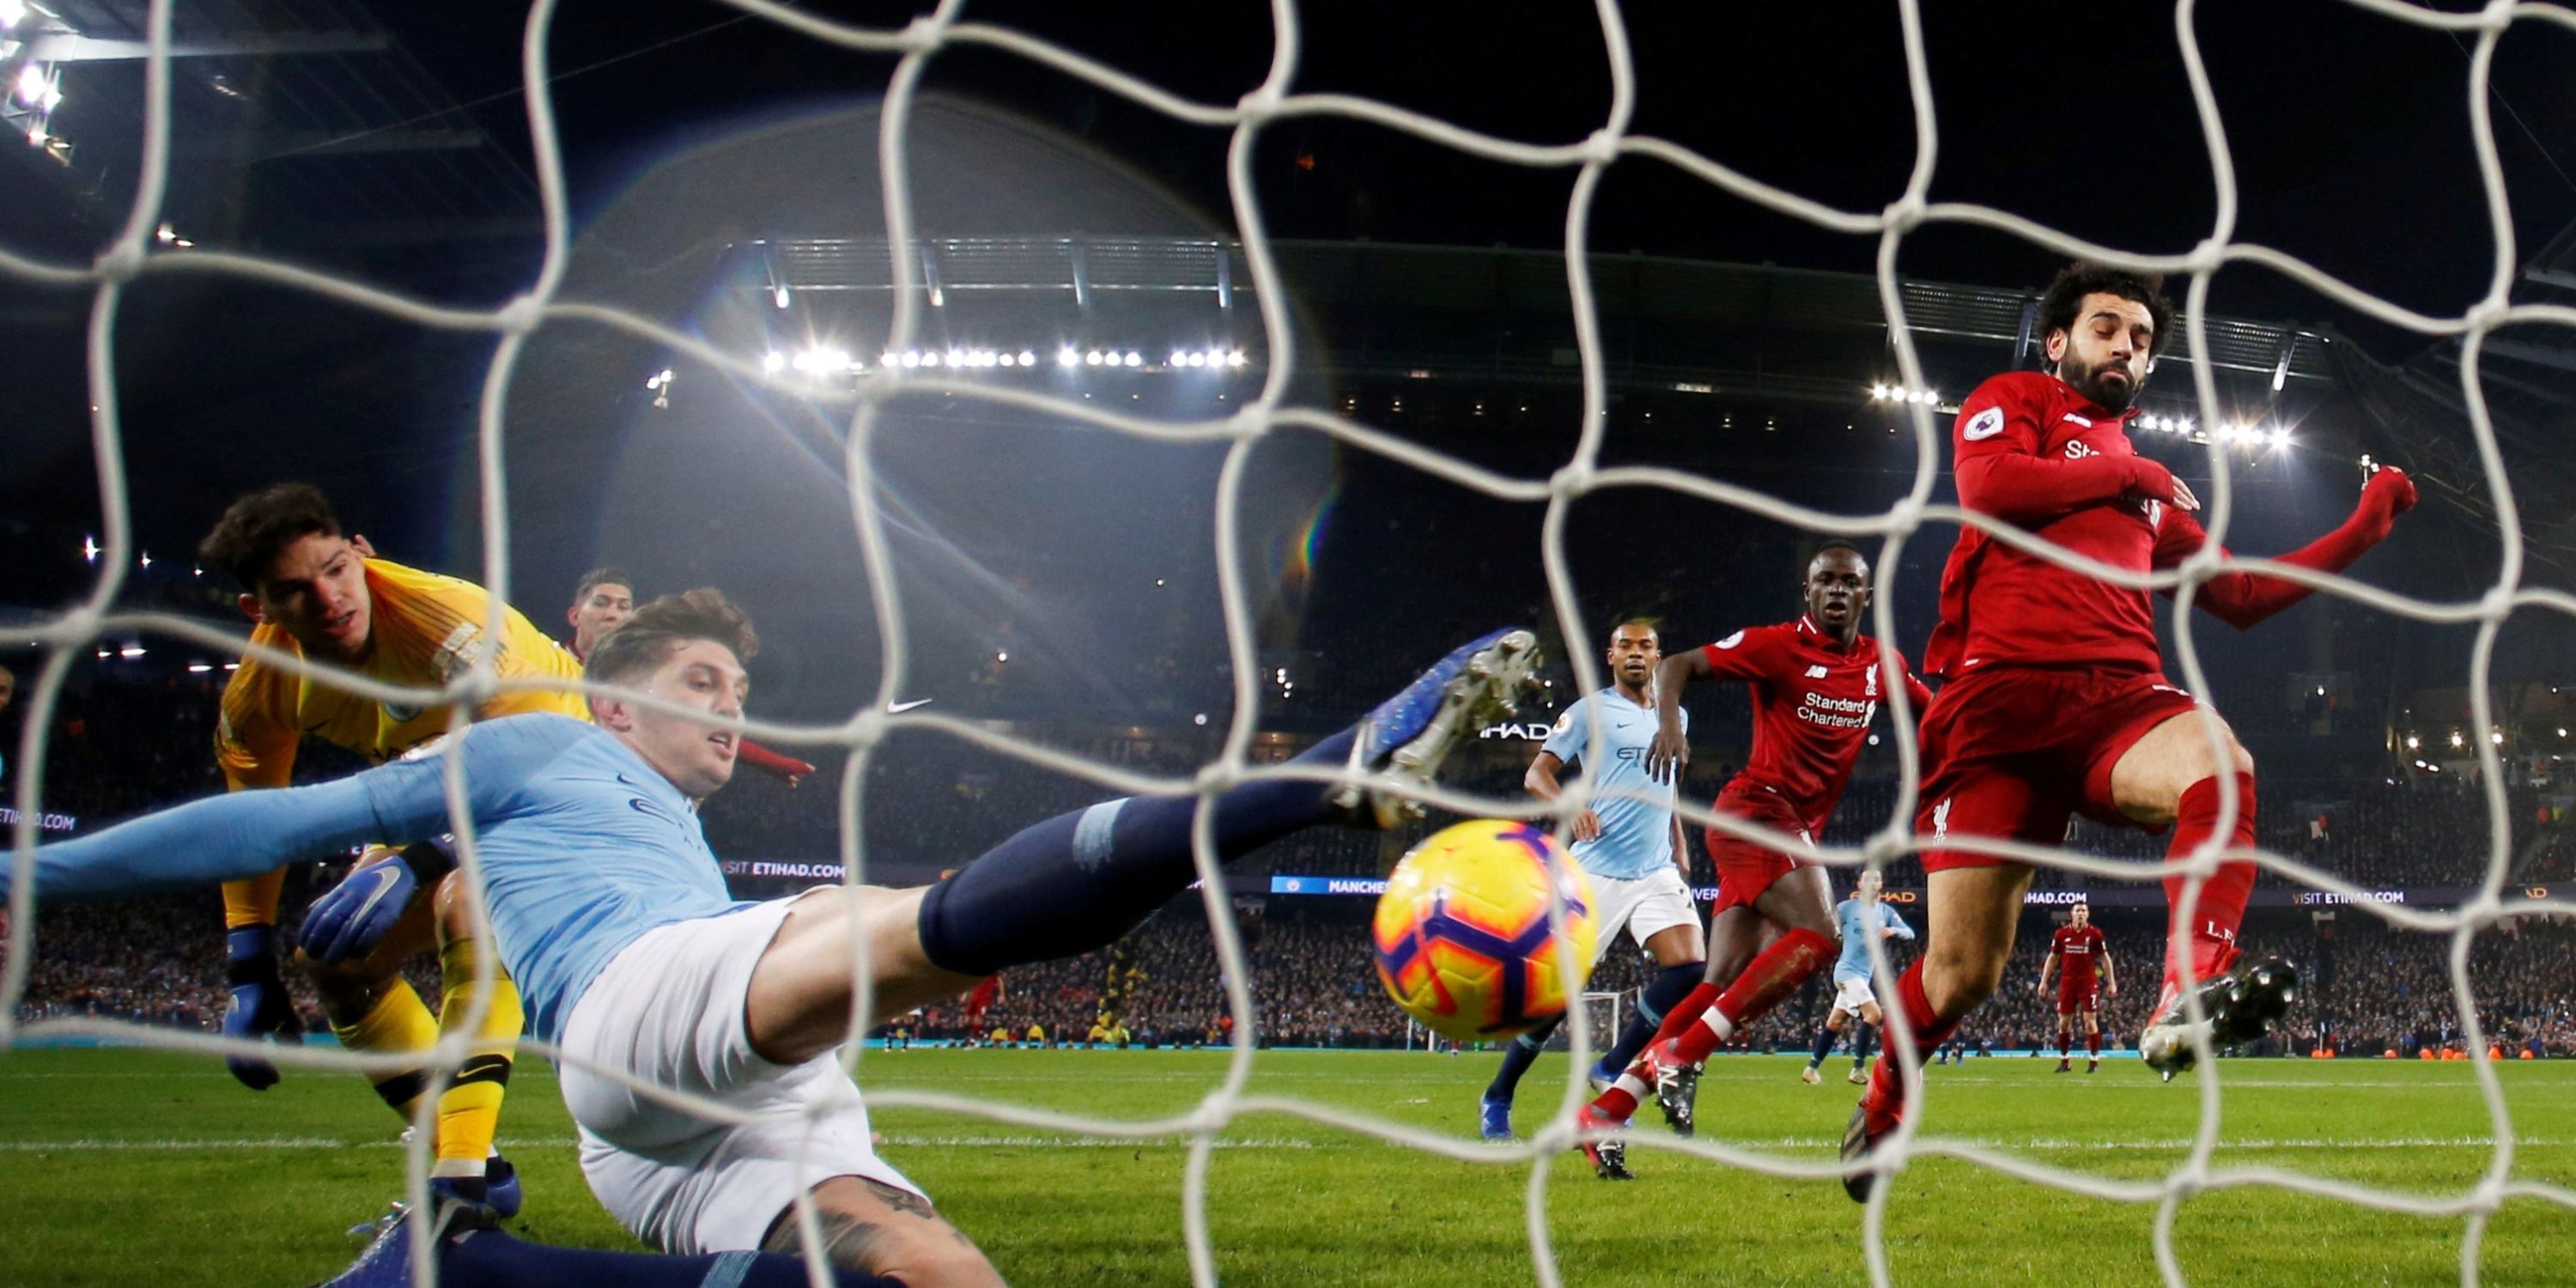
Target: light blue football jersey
pixel 1636 834
pixel 1859 921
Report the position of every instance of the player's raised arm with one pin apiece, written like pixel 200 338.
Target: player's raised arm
pixel 2242 599
pixel 1669 754
pixel 2001 470
pixel 242 834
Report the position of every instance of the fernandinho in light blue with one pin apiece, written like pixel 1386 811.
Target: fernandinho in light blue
pixel 1636 834
pixel 1859 921
pixel 584 847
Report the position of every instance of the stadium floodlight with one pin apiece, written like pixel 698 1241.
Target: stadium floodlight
pixel 1234 359
pixel 930 359
pixel 2456 740
pixel 12 12
pixel 1135 359
pixel 773 362
pixel 1067 358
pixel 2184 424
pixel 1091 358
pixel 146 561
pixel 780 295
pixel 1009 360
pixel 2414 743
pixel 1179 359
pixel 1878 393
pixel 911 358
pixel 2280 437
pixel 1001 657
pixel 89 549
pixel 887 358
pixel 1028 359
pixel 200 668
pixel 33 84
pixel 132 651
pixel 2496 737
pixel 36 136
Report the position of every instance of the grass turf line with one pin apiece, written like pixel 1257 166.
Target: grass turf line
pixel 125 1166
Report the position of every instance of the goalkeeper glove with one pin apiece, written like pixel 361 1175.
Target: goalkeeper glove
pixel 349 920
pixel 260 1007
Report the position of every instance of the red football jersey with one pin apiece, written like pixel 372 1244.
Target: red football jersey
pixel 2029 449
pixel 1813 701
pixel 2079 956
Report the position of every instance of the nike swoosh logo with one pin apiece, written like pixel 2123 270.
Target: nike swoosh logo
pixel 385 879
pixel 898 708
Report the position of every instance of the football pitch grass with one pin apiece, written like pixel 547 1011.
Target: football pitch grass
pixel 134 1167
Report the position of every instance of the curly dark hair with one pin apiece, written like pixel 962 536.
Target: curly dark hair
pixel 256 527
pixel 658 627
pixel 2057 308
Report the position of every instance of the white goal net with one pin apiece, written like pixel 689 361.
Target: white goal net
pixel 135 253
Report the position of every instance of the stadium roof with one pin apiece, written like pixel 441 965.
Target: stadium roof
pixel 1481 311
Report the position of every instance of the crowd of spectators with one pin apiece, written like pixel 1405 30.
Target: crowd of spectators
pixel 2368 988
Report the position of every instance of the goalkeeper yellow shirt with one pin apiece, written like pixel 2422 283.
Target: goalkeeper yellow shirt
pixel 425 629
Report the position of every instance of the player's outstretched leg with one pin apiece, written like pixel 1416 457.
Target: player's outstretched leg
pixel 2242 1006
pixel 1077 881
pixel 1862 1033
pixel 1771 978
pixel 2207 941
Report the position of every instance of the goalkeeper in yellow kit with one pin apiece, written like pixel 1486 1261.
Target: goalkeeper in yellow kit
pixel 323 595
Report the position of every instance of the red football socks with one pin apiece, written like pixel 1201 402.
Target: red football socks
pixel 2211 941
pixel 2065 1043
pixel 1765 983
pixel 1686 1012
pixel 2093 1046
pixel 1885 1099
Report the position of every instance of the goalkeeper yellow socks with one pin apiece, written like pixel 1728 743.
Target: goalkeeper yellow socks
pixel 398 1023
pixel 253 902
pixel 469 1110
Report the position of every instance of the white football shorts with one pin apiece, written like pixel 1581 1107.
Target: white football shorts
pixel 1646 906
pixel 1852 992
pixel 668 1009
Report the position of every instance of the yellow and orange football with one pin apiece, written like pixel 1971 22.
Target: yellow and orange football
pixel 1462 939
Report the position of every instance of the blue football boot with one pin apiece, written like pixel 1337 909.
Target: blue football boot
pixel 1494 1120
pixel 386 1262
pixel 1408 735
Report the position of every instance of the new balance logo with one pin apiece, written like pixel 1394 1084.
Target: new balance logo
pixel 1815 673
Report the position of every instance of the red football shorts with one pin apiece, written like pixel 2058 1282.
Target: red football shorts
pixel 2012 752
pixel 1744 869
pixel 2071 1000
